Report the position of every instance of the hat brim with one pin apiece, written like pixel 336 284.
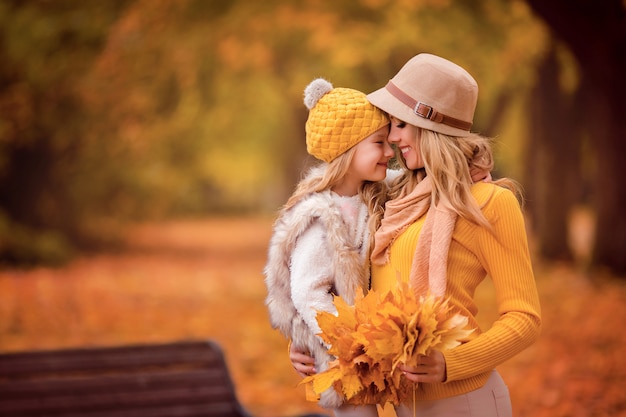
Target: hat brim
pixel 385 101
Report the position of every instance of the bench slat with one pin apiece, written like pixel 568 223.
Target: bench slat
pixel 25 364
pixel 118 392
pixel 189 379
pixel 113 383
pixel 194 410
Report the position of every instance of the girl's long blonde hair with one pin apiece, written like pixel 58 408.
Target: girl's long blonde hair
pixel 448 161
pixel 326 175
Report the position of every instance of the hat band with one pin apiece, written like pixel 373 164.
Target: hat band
pixel 426 111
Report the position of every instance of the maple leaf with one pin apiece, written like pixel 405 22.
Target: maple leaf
pixel 378 333
pixel 323 380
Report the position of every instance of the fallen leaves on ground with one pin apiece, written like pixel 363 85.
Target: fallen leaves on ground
pixel 203 279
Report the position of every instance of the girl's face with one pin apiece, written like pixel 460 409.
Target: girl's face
pixel 406 137
pixel 369 162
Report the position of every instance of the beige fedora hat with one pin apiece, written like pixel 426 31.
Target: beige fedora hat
pixel 432 93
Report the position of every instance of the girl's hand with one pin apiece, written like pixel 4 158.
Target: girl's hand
pixel 480 175
pixel 301 361
pixel 429 369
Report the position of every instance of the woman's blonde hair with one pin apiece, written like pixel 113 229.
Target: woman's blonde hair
pixel 373 194
pixel 449 161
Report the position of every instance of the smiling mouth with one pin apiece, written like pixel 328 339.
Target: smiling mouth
pixel 405 149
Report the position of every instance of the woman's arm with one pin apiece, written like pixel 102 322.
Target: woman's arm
pixel 505 256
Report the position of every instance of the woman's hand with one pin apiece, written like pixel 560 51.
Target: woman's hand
pixel 301 360
pixel 429 369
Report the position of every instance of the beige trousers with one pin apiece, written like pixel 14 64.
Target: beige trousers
pixel 492 400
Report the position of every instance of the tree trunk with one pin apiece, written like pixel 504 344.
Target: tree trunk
pixel 553 157
pixel 610 244
pixel 594 31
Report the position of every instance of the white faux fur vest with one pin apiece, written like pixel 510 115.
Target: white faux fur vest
pixel 351 271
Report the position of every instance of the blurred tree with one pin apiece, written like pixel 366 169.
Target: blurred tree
pixel 45 48
pixel 149 108
pixel 596 34
pixel 553 170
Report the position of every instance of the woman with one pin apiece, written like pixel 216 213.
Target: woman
pixel 445 234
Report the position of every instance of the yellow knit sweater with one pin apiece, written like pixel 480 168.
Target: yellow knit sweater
pixel 474 254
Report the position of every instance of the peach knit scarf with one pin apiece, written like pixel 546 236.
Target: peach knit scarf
pixel 429 267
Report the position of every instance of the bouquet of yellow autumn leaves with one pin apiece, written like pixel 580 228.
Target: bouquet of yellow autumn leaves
pixel 378 333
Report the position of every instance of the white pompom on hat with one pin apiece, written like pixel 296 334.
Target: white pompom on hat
pixel 316 90
pixel 339 118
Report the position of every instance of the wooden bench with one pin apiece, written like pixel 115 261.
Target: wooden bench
pixel 181 379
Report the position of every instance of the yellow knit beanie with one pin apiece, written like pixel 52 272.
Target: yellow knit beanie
pixel 339 118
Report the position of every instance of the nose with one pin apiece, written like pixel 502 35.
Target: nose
pixel 388 151
pixel 393 137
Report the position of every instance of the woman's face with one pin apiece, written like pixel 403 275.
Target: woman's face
pixel 405 137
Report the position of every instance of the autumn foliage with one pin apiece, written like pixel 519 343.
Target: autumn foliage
pixel 203 279
pixel 377 334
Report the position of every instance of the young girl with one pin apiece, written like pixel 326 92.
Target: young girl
pixel 321 241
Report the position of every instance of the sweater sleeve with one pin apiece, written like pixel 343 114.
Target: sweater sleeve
pixel 505 256
pixel 312 276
